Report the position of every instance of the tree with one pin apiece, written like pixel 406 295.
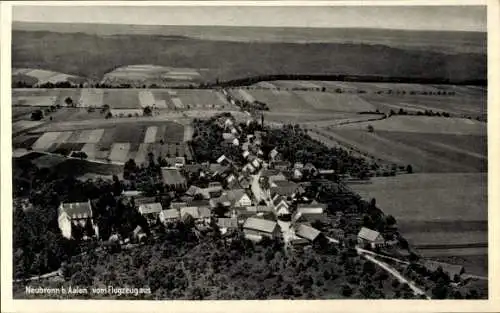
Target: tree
pixel 370 129
pixel 390 220
pixel 346 290
pixel 36 115
pixel 409 169
pixel 147 111
pixel 68 101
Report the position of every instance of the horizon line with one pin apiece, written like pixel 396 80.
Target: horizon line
pixel 254 26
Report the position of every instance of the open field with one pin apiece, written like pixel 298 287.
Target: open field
pixel 335 102
pixel 436 210
pixel 39 77
pixel 424 124
pixel 121 98
pixel 114 141
pixel 426 152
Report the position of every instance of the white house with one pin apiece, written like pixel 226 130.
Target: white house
pixel 75 214
pixel 370 237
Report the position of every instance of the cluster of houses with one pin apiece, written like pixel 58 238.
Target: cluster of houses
pixel 257 197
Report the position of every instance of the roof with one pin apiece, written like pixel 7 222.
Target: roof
pixel 190 210
pixel 307 232
pixel 273 153
pixel 193 190
pixel 177 205
pixel 221 158
pixel 312 210
pixel 169 214
pixel 246 153
pixel 144 200
pixel 284 187
pixel 298 165
pixel 77 209
pixel 252 237
pixel 269 172
pixel 172 176
pixel 150 208
pixel 309 166
pixel 235 195
pixel 180 159
pixel 258 208
pixel 260 225
pixel 277 177
pixel 312 205
pixel 198 203
pixel 225 222
pixel 204 212
pixel 450 269
pixel 227 136
pixel 193 168
pixel 131 193
pixel 368 234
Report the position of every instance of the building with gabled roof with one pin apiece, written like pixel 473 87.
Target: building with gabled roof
pixel 309 233
pixel 77 214
pixel 239 198
pixel 150 211
pixel 173 178
pixel 370 237
pixel 285 188
pixel 310 213
pixel 169 216
pixel 261 227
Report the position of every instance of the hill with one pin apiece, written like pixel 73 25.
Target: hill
pixel 226 60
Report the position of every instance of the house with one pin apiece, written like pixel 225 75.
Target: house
pixel 246 154
pixel 273 154
pixel 234 131
pixel 310 213
pixel 228 123
pixel 370 237
pixel 169 216
pixel 309 233
pixel 245 181
pixel 285 188
pixel 193 191
pixel 281 205
pixel 143 200
pixel 298 166
pixel 248 168
pixel 138 234
pixel 257 227
pixel 199 214
pixel 172 178
pixel 228 137
pixel 310 168
pixel 179 162
pixel 150 211
pixel 277 177
pixel 77 214
pixel 245 146
pixel 281 165
pixel 259 209
pixel 256 163
pixel 227 223
pixel 131 193
pixel 177 205
pixel 297 174
pixel 222 200
pixel 236 142
pixel 239 198
pixel 223 160
pixel 450 269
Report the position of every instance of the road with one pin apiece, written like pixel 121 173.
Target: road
pixel 417 291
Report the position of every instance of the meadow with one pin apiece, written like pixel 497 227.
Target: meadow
pixel 453 212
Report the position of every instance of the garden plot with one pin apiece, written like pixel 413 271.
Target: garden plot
pixel 177 103
pixel 142 153
pixel 121 98
pixel 46 140
pixel 91 97
pixel 119 152
pixel 90 136
pixel 90 150
pixel 146 98
pixel 64 137
pixel 44 101
pixel 22 125
pixel 150 136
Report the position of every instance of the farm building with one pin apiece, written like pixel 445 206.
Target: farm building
pixel 72 216
pixel 450 269
pixel 285 188
pixel 239 198
pixel 226 224
pixel 281 205
pixel 257 228
pixel 198 213
pixel 169 216
pixel 150 211
pixel 309 233
pixel 310 213
pixel 370 237
pixel 172 178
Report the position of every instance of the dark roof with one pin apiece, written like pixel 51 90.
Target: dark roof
pixel 199 203
pixel 236 194
pixel 284 187
pixel 177 205
pixel 193 168
pixel 144 200
pixel 269 172
pixel 76 210
pixel 172 176
pixel 225 222
pixel 260 225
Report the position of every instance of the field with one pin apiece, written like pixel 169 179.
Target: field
pixel 162 99
pixel 440 214
pixel 39 76
pixel 118 142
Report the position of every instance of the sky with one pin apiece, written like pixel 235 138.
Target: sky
pixel 459 18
